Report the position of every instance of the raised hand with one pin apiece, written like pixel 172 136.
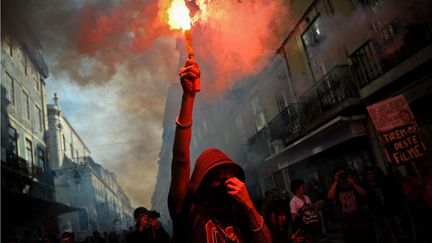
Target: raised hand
pixel 190 76
pixel 238 190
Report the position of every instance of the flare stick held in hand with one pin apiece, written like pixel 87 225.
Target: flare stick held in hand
pixel 190 53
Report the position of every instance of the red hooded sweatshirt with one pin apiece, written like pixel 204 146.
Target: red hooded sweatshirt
pixel 200 222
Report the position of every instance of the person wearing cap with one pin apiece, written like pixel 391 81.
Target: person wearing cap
pixel 142 231
pixel 158 232
pixel 213 205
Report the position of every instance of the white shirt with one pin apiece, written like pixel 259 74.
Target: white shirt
pixel 297 203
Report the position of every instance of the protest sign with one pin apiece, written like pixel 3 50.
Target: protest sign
pixel 395 122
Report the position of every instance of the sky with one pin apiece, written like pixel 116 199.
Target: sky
pixel 111 62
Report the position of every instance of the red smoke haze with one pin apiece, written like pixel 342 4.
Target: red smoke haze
pixel 234 40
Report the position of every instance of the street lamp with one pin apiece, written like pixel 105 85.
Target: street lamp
pixel 76 177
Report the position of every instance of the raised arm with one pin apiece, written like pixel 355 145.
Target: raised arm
pixel 180 168
pixel 360 190
pixel 332 191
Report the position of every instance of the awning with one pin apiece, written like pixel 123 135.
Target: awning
pixel 24 210
pixel 335 132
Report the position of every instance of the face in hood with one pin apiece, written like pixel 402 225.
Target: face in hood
pixel 208 160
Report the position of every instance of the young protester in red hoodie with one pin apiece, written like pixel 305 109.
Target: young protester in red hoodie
pixel 213 205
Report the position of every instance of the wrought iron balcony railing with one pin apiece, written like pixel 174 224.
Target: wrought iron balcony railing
pixel 23 167
pixel 257 146
pixel 286 123
pixel 332 89
pixel 373 59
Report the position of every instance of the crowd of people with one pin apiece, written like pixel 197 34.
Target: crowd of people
pixel 367 207
pixel 147 229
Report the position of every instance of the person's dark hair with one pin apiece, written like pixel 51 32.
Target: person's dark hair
pixel 295 185
pixel 276 207
pixel 339 168
pixel 268 193
pixel 154 214
pixel 140 211
pixel 369 168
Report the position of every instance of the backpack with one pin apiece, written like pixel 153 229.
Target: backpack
pixel 307 215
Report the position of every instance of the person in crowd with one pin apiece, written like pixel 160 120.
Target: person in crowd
pixel 105 235
pixel 158 232
pixel 97 237
pixel 113 238
pixel 89 239
pixel 269 197
pixel 355 222
pixel 302 212
pixel 286 199
pixel 142 231
pixel 213 205
pixel 319 202
pixel 378 201
pixel 67 237
pixel 276 220
pixel 124 235
pixel 51 238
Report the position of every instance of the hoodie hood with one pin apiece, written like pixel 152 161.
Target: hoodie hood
pixel 208 160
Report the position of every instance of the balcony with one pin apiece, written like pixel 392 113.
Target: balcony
pixel 328 93
pixel 22 167
pixel 286 123
pixel 257 145
pixel 372 59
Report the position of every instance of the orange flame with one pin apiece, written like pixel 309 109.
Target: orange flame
pixel 178 15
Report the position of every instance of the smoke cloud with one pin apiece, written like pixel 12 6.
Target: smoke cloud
pixel 372 22
pixel 127 44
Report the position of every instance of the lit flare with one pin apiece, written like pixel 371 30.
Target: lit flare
pixel 178 18
pixel 178 15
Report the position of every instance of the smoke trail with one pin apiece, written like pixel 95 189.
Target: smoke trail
pixel 127 43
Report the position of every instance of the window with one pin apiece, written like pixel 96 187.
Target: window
pixel 35 79
pixel 39 123
pixel 26 106
pixel 41 158
pixel 64 143
pixel 7 45
pixel 240 125
pixel 281 101
pixel 375 5
pixel 13 140
pixel 9 88
pixel 23 61
pixel 258 112
pixel 312 38
pixel 71 150
pixel 29 151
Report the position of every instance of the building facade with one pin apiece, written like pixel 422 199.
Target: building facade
pixel 333 75
pixel 82 183
pixel 304 115
pixel 26 179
